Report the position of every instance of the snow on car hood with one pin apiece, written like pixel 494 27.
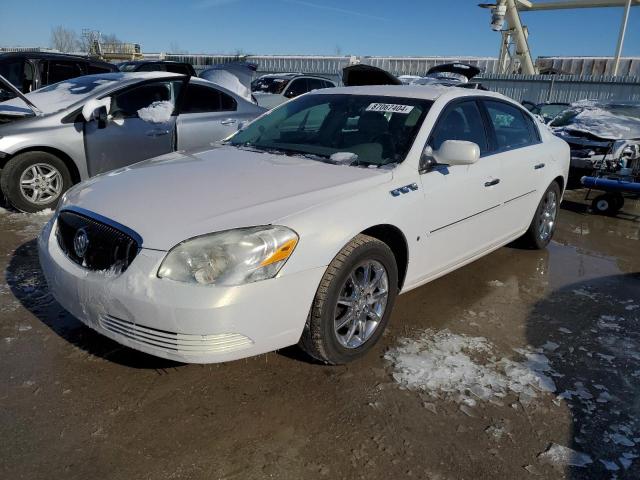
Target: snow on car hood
pixel 606 121
pixel 182 195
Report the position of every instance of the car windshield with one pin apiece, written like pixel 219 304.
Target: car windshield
pixel 269 85
pixel 363 129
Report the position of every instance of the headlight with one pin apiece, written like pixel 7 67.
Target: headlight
pixel 233 257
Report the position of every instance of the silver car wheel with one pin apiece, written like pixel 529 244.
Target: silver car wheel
pixel 41 183
pixel 547 220
pixel 361 304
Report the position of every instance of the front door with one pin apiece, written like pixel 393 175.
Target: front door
pixel 461 214
pixel 141 125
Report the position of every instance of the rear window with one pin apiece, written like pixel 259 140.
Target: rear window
pixel 513 128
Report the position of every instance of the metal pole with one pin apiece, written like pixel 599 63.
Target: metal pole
pixel 522 45
pixel 623 31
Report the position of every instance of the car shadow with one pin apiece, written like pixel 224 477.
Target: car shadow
pixel 591 330
pixel 27 283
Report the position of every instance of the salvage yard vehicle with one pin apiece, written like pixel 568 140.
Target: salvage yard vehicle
pixel 603 136
pixel 305 225
pixel 28 71
pixel 274 89
pixel 72 130
pixel 548 110
pixel 183 68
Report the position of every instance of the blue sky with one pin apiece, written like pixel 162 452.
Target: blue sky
pixel 358 27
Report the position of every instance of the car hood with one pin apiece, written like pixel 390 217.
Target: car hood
pixel 182 195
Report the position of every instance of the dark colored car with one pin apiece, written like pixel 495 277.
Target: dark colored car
pixel 157 66
pixel 548 110
pixel 29 71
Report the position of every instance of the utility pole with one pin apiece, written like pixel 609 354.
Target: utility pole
pixel 623 31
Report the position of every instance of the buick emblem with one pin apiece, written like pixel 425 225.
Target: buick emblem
pixel 81 243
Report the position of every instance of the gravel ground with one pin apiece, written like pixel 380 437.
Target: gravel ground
pixel 521 365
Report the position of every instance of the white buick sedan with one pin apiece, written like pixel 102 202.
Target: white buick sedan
pixel 304 226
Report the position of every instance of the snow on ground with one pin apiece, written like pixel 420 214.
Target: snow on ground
pixel 464 369
pixel 27 224
pixel 564 456
pixel 157 112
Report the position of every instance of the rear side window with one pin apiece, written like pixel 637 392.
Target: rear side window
pixel 315 84
pixel 513 128
pixel 59 71
pixel 201 99
pixel 94 69
pixel 461 121
pixel 177 68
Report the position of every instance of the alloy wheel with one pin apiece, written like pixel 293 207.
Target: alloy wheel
pixel 41 183
pixel 547 220
pixel 361 304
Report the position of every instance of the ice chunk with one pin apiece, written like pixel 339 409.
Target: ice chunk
pixel 564 456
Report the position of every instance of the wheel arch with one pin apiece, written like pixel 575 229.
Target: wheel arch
pixel 561 183
pixel 68 161
pixel 397 242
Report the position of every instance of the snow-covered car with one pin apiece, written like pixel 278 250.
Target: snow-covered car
pixel 305 225
pixel 274 89
pixel 69 131
pixel 601 134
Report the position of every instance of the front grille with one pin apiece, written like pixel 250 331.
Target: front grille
pixel 103 247
pixel 175 342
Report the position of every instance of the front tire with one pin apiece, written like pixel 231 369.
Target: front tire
pixel 543 225
pixel 34 181
pixel 353 303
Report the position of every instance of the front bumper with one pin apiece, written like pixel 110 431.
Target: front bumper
pixel 178 321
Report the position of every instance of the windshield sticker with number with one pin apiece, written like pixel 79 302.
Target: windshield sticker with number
pixel 389 107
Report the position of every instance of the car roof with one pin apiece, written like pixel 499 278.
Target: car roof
pixel 40 55
pixel 425 92
pixel 145 62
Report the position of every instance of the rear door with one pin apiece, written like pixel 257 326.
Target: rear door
pixel 206 115
pixel 141 125
pixel 517 147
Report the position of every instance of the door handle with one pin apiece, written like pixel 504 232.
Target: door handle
pixel 493 182
pixel 229 121
pixel 539 166
pixel 158 133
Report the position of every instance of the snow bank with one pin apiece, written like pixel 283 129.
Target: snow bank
pixel 157 112
pixel 462 368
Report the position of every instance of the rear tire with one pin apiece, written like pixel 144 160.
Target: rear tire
pixel 543 225
pixel 348 290
pixel 34 181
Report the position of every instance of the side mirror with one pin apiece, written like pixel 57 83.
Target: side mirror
pixel 457 152
pixel 97 110
pixel 101 116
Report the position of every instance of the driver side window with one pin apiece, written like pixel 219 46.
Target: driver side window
pixel 129 102
pixel 461 121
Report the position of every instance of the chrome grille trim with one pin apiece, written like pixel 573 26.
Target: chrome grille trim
pixel 186 344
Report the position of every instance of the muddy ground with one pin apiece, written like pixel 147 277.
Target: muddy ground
pixel 76 405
